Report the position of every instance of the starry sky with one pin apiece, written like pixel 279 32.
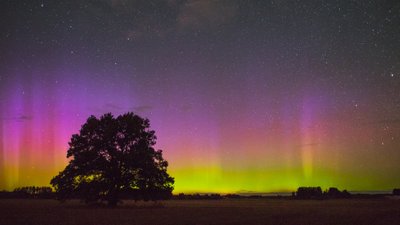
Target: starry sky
pixel 250 95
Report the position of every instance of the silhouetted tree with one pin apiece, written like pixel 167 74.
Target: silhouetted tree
pixel 309 193
pixel 333 192
pixel 114 157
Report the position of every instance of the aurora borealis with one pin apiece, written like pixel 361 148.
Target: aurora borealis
pixel 244 96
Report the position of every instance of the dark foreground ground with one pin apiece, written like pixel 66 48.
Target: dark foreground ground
pixel 229 211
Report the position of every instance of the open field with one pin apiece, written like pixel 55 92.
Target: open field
pixel 227 211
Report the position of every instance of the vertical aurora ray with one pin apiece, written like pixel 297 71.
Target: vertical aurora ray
pixel 307 142
pixel 12 137
pixel 2 153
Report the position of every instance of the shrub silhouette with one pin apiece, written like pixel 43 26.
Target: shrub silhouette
pixel 113 158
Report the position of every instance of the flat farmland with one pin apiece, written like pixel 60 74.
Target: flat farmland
pixel 226 211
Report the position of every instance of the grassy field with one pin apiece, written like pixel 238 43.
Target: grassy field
pixel 229 211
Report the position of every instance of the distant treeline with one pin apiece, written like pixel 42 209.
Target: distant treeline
pixel 48 193
pixel 334 193
pixel 317 193
pixel 183 196
pixel 29 192
pixel 301 193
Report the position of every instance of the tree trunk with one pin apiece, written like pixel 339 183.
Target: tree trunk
pixel 112 202
pixel 113 198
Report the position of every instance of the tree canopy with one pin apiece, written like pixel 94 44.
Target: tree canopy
pixel 111 158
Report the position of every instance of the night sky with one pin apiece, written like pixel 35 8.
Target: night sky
pixel 243 95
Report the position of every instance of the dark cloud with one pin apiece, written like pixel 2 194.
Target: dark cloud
pixel 140 18
pixel 388 121
pixel 142 108
pixel 108 107
pixel 115 19
pixel 112 107
pixel 203 14
pixel 186 108
pixel 20 118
